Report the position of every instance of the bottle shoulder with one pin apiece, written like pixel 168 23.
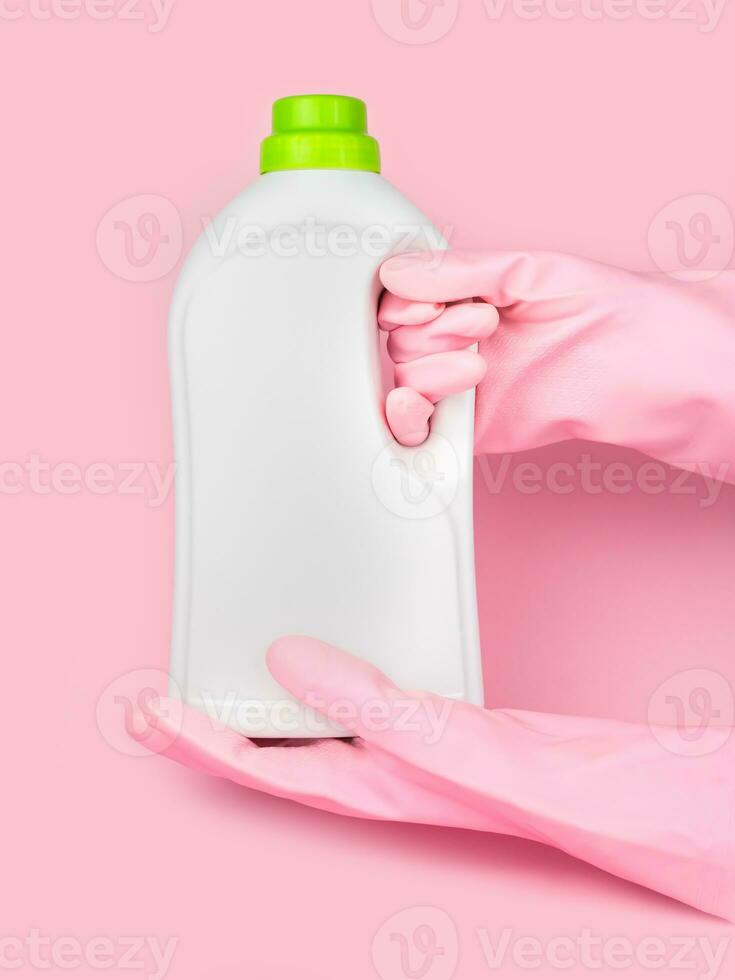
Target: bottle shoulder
pixel 354 194
pixel 295 204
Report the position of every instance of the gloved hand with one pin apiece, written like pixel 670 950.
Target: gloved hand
pixel 605 791
pixel 582 350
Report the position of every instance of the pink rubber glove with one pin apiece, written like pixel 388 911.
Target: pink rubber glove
pixel 608 792
pixel 583 350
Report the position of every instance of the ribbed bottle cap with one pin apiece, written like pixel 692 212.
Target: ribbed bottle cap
pixel 319 132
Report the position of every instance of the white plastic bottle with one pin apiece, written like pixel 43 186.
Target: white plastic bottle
pixel 296 510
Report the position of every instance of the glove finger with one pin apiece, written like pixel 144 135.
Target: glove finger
pixel 457 327
pixel 438 375
pixel 329 774
pixel 394 311
pixel 500 278
pixel 408 415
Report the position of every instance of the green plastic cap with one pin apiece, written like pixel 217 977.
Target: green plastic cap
pixel 319 132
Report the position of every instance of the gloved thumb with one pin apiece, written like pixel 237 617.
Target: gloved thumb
pixel 353 693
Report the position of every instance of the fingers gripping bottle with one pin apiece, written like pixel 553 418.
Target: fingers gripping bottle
pixel 296 510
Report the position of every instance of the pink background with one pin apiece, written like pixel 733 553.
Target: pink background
pixel 558 134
